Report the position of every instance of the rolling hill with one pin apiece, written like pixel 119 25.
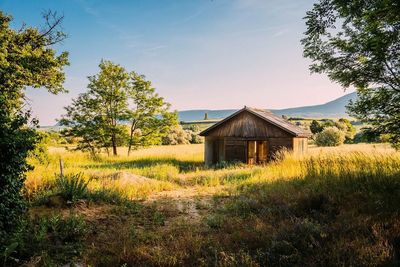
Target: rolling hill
pixel 332 109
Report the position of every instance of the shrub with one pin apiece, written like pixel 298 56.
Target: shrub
pixel 215 221
pixel 346 126
pixel 330 136
pixel 52 239
pixel 41 153
pixel 176 136
pixel 72 187
pixel 16 141
pixel 193 131
pixel 366 135
pixel 195 138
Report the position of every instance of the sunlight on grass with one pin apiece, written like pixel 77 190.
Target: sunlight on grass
pixel 163 168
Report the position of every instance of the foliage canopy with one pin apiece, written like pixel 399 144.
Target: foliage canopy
pixel 330 136
pixel 26 59
pixel 357 44
pixel 119 108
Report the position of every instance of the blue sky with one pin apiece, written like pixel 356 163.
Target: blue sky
pixel 212 54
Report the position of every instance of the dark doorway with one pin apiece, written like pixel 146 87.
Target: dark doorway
pixel 257 152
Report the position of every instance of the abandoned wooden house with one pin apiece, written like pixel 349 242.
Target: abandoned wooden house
pixel 252 136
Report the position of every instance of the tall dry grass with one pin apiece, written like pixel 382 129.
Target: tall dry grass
pixel 173 167
pixel 330 207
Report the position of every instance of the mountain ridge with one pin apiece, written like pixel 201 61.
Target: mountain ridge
pixel 332 109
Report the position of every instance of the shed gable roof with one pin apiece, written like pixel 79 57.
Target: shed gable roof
pixel 266 116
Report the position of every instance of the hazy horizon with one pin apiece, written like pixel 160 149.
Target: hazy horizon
pixel 220 54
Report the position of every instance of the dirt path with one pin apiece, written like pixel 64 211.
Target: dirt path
pixel 186 204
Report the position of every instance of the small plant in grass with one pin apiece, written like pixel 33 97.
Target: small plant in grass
pixel 52 239
pixel 72 187
pixel 215 221
pixel 228 164
pixel 158 219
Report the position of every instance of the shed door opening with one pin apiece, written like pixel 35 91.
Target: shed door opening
pixel 257 152
pixel 262 152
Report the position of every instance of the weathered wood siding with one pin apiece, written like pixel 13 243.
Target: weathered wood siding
pixel 208 151
pixel 235 150
pixel 214 150
pixel 229 141
pixel 248 125
pixel 300 145
pixel 276 144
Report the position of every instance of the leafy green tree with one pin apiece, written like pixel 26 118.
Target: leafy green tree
pixel 26 59
pixel 116 98
pixel 316 127
pixel 367 135
pixel 148 113
pixel 357 44
pixel 348 128
pixel 330 136
pixel 95 115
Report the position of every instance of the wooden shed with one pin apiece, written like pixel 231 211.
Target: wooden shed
pixel 252 136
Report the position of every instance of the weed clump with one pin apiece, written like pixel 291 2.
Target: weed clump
pixel 47 240
pixel 72 187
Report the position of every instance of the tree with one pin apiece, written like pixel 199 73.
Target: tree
pixel 316 127
pixel 348 128
pixel 357 44
pixel 119 108
pixel 366 135
pixel 330 136
pixel 95 115
pixel 148 114
pixel 26 59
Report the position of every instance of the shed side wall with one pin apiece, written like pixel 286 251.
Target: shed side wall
pixel 276 144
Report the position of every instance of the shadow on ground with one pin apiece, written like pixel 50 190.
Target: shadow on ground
pixel 181 165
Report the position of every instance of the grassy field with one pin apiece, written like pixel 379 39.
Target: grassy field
pixel 162 207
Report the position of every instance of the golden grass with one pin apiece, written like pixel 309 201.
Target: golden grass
pixel 332 206
pixel 173 167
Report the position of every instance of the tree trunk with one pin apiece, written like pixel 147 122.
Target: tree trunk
pixel 131 138
pixel 130 143
pixel 114 144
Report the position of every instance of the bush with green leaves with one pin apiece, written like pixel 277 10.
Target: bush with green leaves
pixel 41 153
pixel 330 136
pixel 26 60
pixel 54 239
pixel 356 44
pixel 346 126
pixel 316 127
pixel 72 187
pixel 193 130
pixel 176 136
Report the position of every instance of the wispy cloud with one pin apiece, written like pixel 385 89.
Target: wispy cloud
pixel 270 6
pixel 87 7
pixel 150 49
pixel 129 40
pixel 280 33
pixel 190 17
pixel 254 31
